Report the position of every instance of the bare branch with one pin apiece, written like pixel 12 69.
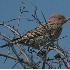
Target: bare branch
pixel 11 28
pixel 5 36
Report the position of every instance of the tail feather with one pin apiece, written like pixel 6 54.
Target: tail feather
pixel 14 41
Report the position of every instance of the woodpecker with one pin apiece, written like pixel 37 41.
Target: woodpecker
pixel 48 31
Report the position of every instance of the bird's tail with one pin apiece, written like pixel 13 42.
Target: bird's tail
pixel 14 41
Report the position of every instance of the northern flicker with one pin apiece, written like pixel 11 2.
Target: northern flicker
pixel 49 31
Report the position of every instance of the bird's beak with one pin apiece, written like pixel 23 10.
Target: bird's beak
pixel 66 20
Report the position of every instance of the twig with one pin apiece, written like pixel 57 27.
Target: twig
pixel 13 57
pixel 15 65
pixel 43 16
pixel 11 28
pixel 21 12
pixel 11 20
pixel 31 63
pixel 24 53
pixel 5 36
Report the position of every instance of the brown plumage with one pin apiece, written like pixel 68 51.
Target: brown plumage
pixel 49 31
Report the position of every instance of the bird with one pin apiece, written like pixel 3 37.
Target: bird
pixel 48 31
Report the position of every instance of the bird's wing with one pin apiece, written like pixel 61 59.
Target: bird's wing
pixel 37 32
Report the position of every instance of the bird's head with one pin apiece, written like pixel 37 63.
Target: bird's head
pixel 58 18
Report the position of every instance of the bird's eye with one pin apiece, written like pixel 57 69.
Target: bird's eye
pixel 59 18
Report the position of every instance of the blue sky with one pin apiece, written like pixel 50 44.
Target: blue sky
pixel 10 9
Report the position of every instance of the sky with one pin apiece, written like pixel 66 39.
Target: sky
pixel 10 9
